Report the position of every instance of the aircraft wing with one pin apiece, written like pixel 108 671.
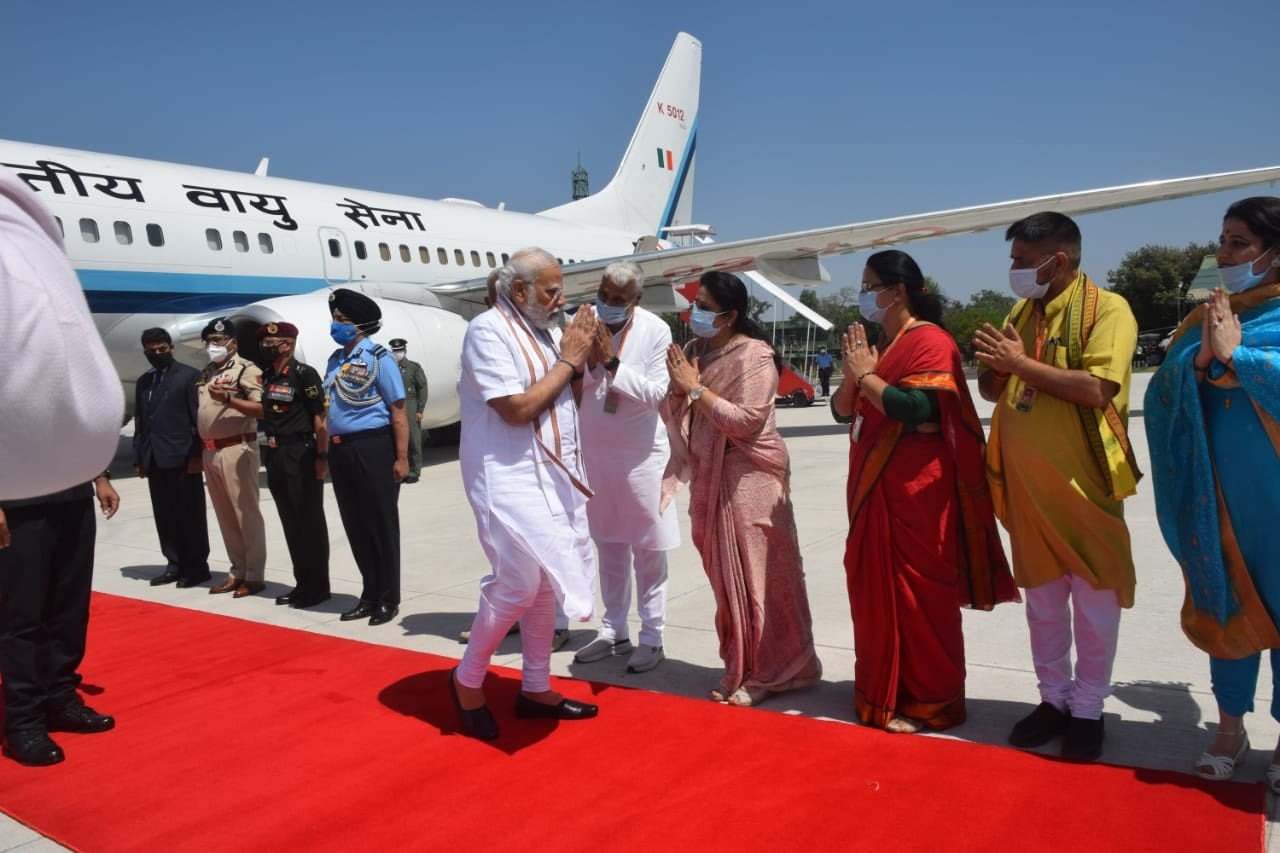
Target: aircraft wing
pixel 794 258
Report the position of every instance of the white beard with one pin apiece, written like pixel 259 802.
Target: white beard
pixel 541 318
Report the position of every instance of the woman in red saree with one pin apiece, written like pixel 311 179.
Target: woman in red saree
pixel 725 443
pixel 922 534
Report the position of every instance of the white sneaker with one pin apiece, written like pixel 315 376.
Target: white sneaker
pixel 600 648
pixel 645 658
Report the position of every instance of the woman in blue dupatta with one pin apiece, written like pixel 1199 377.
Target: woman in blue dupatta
pixel 1213 423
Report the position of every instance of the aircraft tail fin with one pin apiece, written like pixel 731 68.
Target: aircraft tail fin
pixel 653 187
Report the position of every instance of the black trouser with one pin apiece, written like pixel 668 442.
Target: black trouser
pixel 299 497
pixel 45 578
pixel 368 501
pixel 177 502
pixel 824 377
pixel 415 437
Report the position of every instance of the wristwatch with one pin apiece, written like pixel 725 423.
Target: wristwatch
pixel 696 393
pixel 612 364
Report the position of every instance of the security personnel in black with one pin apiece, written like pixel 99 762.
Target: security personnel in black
pixel 415 403
pixel 293 417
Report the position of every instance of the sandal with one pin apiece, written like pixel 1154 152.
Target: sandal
pixel 1219 768
pixel 1273 778
pixel 903 725
pixel 744 698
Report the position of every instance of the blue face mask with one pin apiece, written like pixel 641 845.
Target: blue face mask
pixel 1241 277
pixel 703 322
pixel 868 307
pixel 611 315
pixel 343 333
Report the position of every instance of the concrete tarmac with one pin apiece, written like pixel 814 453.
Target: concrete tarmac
pixel 1162 714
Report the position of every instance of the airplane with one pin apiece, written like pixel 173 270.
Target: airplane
pixel 162 244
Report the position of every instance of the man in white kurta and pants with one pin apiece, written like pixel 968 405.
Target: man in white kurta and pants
pixel 626 450
pixel 522 471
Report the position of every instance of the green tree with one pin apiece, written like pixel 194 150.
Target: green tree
pixel 985 306
pixel 1155 280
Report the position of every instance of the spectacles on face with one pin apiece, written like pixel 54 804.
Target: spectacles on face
pixel 873 288
pixel 272 343
pixel 217 339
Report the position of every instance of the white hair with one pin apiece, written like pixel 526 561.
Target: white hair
pixel 625 274
pixel 525 265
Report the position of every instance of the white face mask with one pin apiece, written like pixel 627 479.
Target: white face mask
pixel 217 352
pixel 1241 277
pixel 868 306
pixel 1024 285
pixel 400 356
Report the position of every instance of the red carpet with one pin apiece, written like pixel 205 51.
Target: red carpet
pixel 234 735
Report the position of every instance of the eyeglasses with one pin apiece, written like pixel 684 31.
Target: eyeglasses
pixel 872 288
pixel 217 339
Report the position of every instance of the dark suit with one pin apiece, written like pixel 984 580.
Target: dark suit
pixel 164 441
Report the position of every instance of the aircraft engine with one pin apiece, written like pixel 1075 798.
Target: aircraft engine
pixel 434 338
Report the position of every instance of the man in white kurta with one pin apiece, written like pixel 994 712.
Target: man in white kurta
pixel 522 471
pixel 626 450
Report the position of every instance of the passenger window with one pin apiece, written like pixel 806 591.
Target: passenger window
pixel 335 248
pixel 475 258
pixel 458 259
pixel 124 234
pixel 242 241
pixel 265 244
pixel 213 238
pixel 361 252
pixel 442 256
pixel 424 254
pixel 384 251
pixel 505 258
pixel 89 230
pixel 61 230
pixel 155 235
pixel 404 253
pixel 488 256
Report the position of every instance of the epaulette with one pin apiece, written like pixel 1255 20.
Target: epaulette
pixel 378 350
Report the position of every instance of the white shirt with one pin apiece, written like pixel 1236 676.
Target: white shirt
pixel 61 402
pixel 624 440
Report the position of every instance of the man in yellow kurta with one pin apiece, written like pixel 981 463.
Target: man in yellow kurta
pixel 1060 463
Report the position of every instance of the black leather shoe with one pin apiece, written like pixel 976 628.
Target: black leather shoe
pixel 34 749
pixel 1039 727
pixel 287 598
pixel 478 722
pixel 383 614
pixel 79 718
pixel 363 610
pixel 299 602
pixel 566 709
pixel 167 577
pixel 1083 740
pixel 187 583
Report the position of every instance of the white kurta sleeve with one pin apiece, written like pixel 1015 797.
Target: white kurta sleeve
pixel 61 402
pixel 646 382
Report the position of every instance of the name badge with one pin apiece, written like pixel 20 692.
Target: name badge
pixel 1026 399
pixel 611 402
pixel 280 393
pixel 857 427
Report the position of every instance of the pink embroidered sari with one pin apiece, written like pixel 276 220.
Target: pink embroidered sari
pixel 743 522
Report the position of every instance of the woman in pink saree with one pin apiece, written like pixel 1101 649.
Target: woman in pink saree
pixel 726 445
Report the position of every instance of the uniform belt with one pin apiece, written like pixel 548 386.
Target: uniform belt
pixel 359 434
pixel 219 443
pixel 289 438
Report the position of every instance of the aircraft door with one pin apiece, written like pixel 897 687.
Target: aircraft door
pixel 337 257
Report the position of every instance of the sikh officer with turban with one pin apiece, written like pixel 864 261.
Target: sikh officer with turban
pixel 368 450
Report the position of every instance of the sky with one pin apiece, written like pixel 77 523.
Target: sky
pixel 812 113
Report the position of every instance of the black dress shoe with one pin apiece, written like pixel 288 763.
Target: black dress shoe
pixel 1083 740
pixel 299 602
pixel 187 583
pixel 383 614
pixel 34 749
pixel 79 718
pixel 566 709
pixel 287 598
pixel 362 610
pixel 167 577
pixel 478 722
pixel 1039 727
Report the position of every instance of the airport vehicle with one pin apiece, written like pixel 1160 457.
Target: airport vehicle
pixel 794 388
pixel 161 244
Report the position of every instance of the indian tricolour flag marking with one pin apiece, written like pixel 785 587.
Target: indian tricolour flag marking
pixel 665 160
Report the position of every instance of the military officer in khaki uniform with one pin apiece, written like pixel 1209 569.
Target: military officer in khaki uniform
pixel 230 403
pixel 415 402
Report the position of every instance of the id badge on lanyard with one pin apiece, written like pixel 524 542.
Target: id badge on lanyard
pixel 1045 350
pixel 857 427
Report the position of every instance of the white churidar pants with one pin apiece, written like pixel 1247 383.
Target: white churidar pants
pixel 1052 609
pixel 615 590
